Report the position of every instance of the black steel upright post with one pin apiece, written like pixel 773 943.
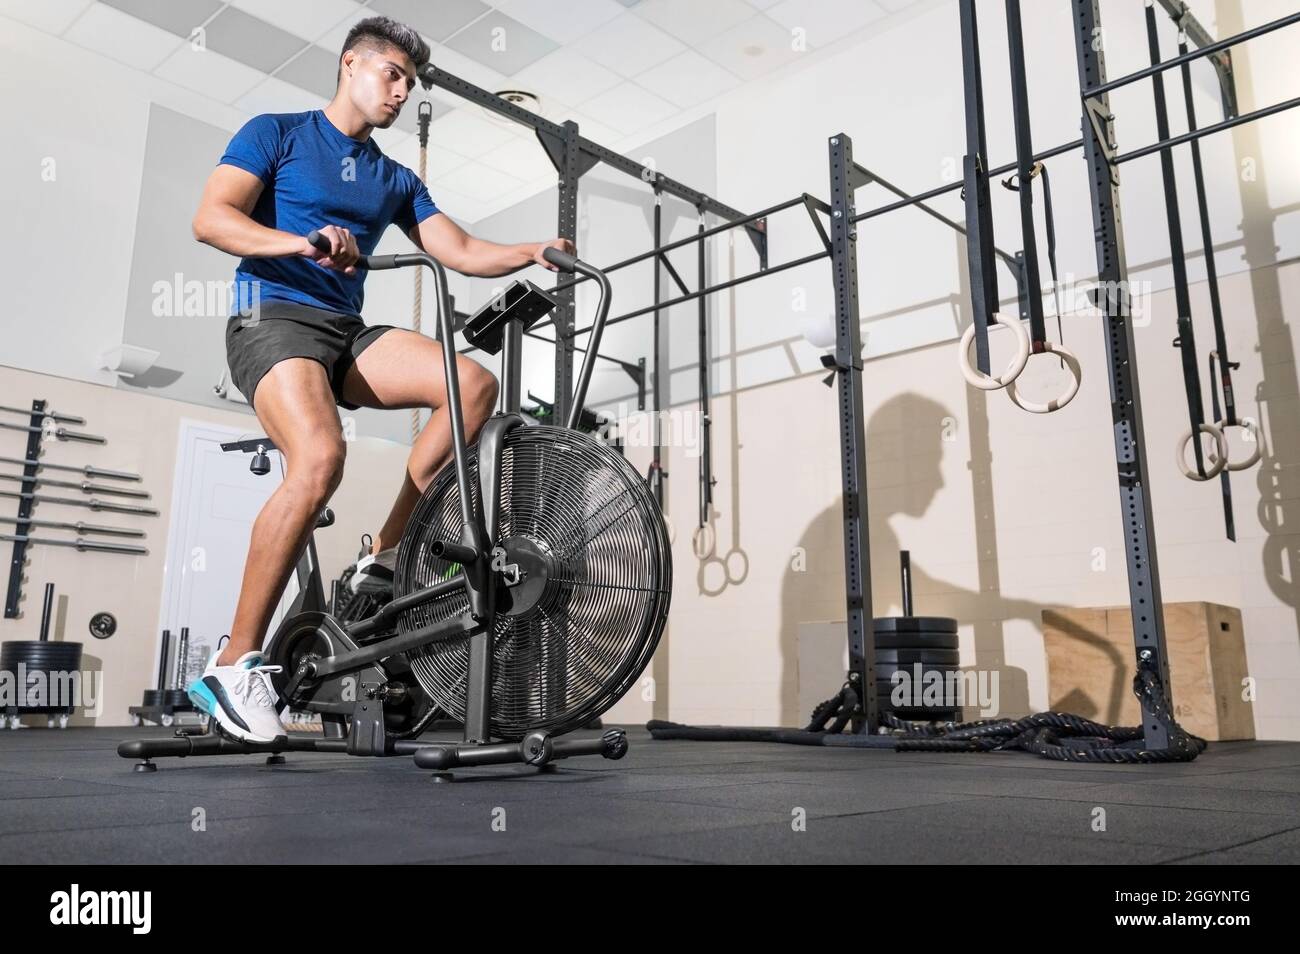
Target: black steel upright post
pixel 567 227
pixel 853 442
pixel 1113 300
pixel 706 413
pixel 657 473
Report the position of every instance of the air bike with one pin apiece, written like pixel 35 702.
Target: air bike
pixel 531 588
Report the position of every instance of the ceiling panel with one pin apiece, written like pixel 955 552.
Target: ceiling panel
pixel 578 19
pixel 435 20
pixel 122 37
pixel 308 19
pixel 209 73
pixel 500 43
pixel 567 76
pixel 691 21
pixel 826 21
pixel 687 80
pixel 753 49
pixel 629 45
pixel 628 108
pixel 251 41
pixel 52 16
pixel 315 69
pixel 175 16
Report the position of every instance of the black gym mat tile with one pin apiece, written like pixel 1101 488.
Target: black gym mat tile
pixel 66 796
pixel 890 838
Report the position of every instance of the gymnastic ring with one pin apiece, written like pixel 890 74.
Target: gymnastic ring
pixel 986 382
pixel 707 532
pixel 1218 462
pixel 1076 376
pixel 1253 429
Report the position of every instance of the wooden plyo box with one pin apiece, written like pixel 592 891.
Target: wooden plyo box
pixel 1090 667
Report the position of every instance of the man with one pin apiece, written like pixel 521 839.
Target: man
pixel 282 176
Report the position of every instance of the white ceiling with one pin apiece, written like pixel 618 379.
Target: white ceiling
pixel 625 70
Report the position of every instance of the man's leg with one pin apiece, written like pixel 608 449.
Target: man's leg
pixel 403 369
pixel 296 407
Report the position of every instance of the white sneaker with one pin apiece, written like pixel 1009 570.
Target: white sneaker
pixel 374 573
pixel 240 698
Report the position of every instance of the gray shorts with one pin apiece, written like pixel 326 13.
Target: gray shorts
pixel 286 329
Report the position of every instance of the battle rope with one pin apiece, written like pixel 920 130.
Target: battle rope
pixel 1052 735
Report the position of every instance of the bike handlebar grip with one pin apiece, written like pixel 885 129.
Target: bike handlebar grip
pixel 318 241
pixel 560 259
pixel 377 262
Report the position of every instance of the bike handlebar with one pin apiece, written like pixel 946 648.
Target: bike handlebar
pixel 561 259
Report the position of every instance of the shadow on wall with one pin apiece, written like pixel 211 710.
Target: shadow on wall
pixel 1277 475
pixel 906 446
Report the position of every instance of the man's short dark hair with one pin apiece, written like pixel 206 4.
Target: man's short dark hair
pixel 381 32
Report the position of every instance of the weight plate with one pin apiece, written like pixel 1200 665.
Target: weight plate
pixel 103 625
pixel 918 640
pixel 177 699
pixel 905 657
pixel 152 697
pixel 31 656
pixel 912 624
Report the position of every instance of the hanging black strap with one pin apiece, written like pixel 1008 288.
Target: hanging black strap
pixel 1186 340
pixel 1226 367
pixel 1228 414
pixel 1039 170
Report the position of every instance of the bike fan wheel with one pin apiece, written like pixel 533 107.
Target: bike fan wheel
pixel 576 633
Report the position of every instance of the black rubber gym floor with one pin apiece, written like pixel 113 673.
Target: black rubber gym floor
pixel 66 797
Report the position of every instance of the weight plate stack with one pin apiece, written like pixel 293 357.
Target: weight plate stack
pixel 178 700
pixel 35 656
pixel 905 642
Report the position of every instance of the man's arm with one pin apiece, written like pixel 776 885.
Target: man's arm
pixel 224 221
pixel 457 249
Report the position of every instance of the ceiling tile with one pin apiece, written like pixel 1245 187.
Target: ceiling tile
pixel 826 20
pixel 474 182
pixel 687 80
pixel 175 16
pixel 568 76
pixel 500 43
pixel 893 6
pixel 437 20
pixel 525 159
pixel 251 41
pixel 754 48
pixel 52 16
pixel 589 127
pixel 438 161
pixel 334 38
pixel 693 22
pixel 308 19
pixel 577 20
pixel 466 133
pixel 122 37
pixel 210 73
pixel 461 65
pixel 628 45
pixel 391 140
pixel 276 96
pixel 762 4
pixel 628 108
pixel 315 69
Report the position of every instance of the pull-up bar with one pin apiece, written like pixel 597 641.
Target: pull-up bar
pixel 1192 55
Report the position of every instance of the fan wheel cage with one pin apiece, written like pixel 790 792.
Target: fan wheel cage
pixel 560 664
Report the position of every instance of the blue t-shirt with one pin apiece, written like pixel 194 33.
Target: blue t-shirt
pixel 315 175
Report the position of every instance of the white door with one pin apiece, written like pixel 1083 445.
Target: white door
pixel 215 499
